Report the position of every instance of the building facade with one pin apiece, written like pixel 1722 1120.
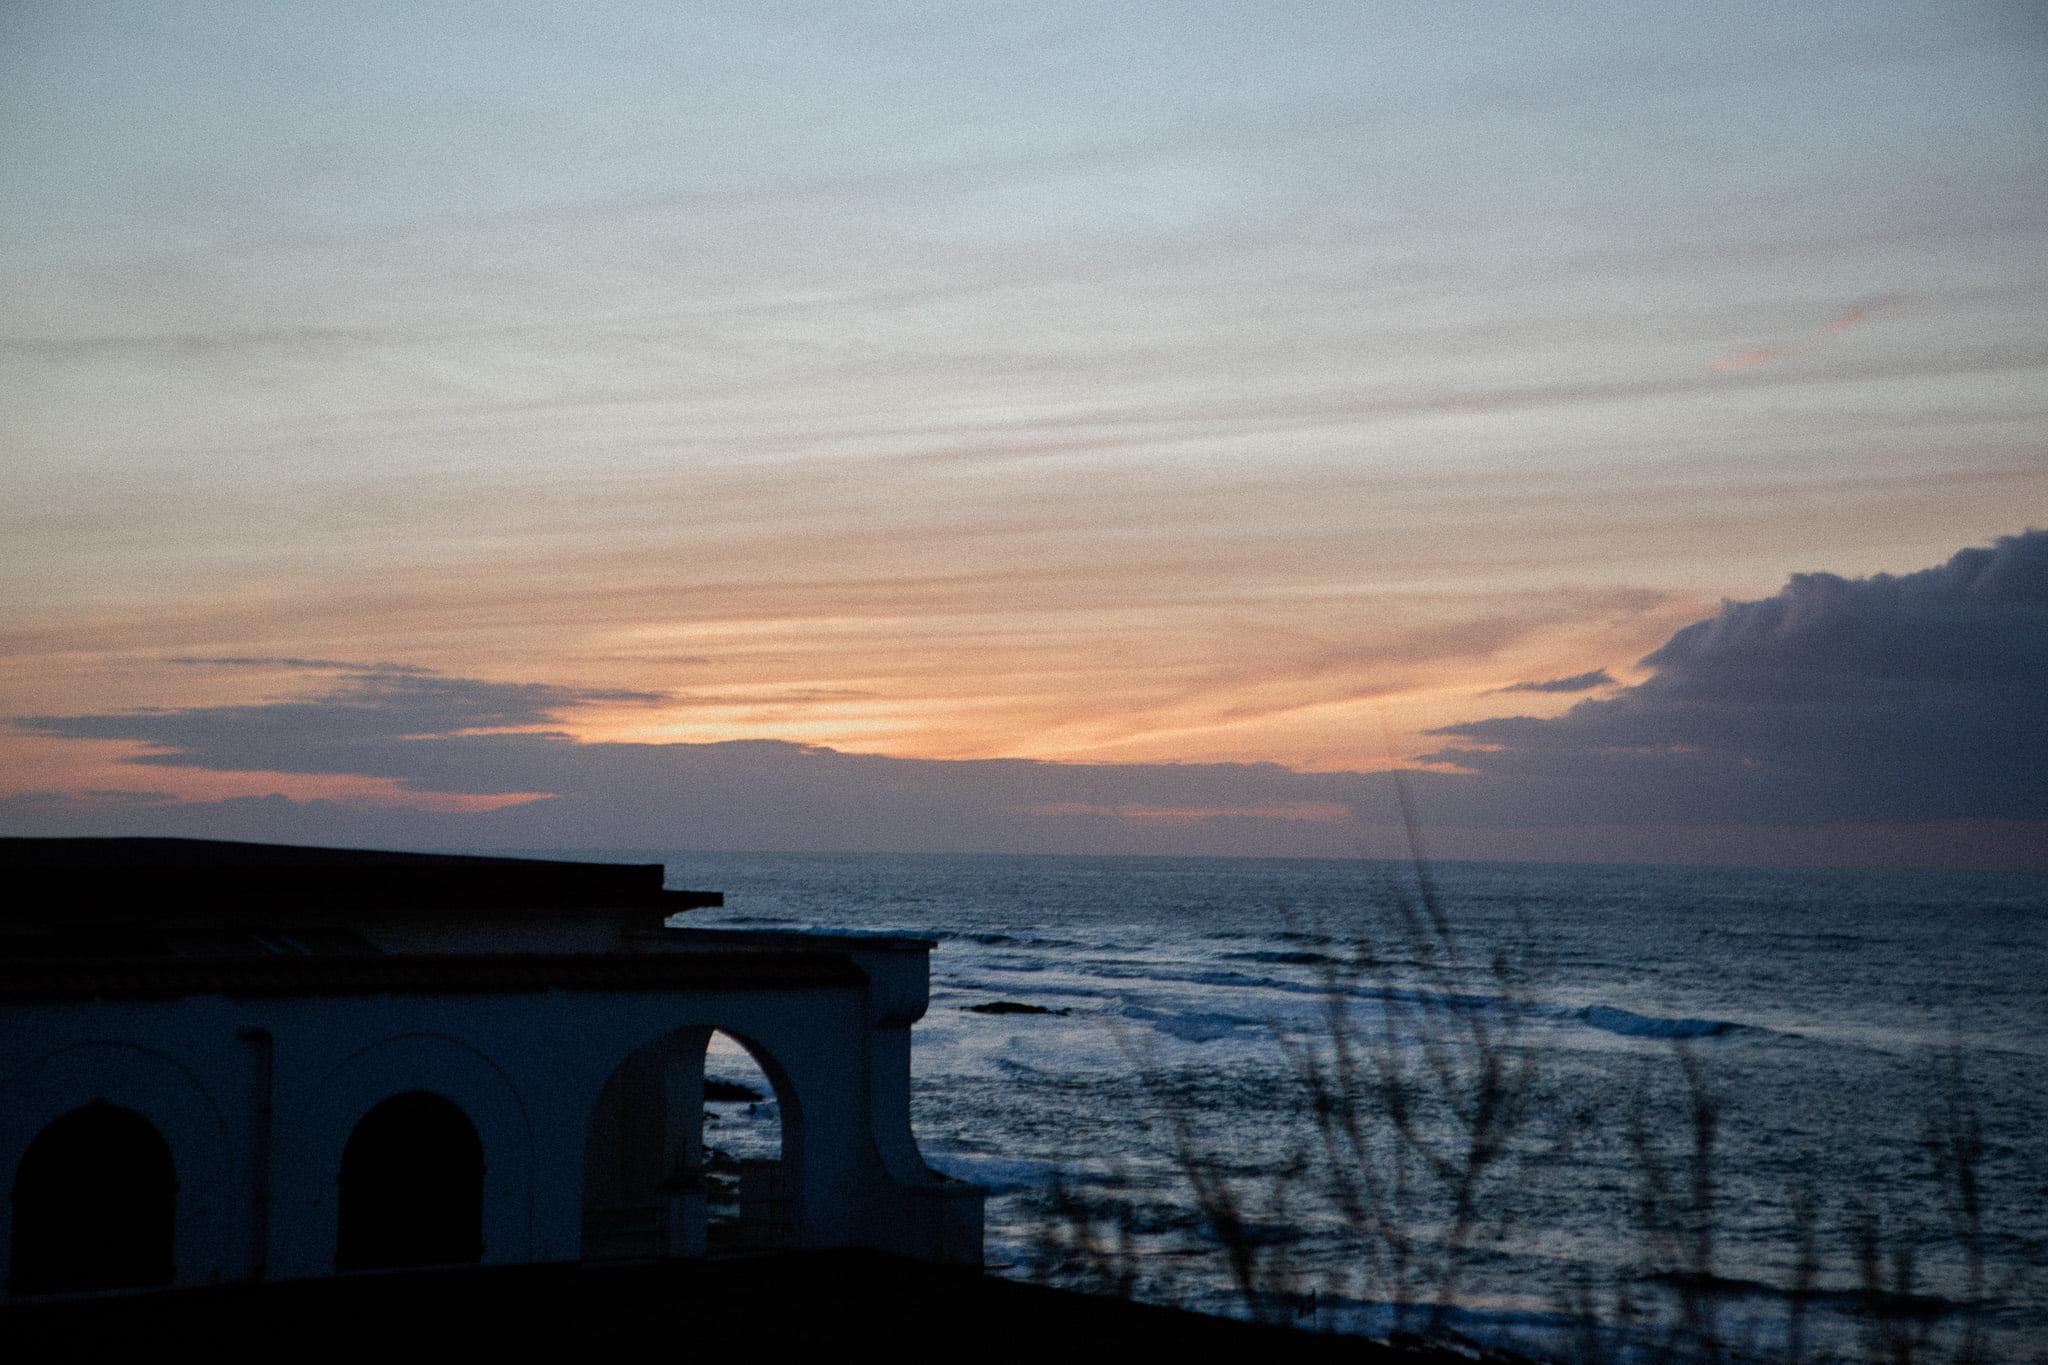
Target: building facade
pixel 229 1062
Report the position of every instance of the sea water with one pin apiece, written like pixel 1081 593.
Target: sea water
pixel 1834 1032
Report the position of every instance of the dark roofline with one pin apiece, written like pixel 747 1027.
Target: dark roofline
pixel 720 938
pixel 419 974
pixel 89 880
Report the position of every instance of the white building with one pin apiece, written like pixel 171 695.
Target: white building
pixel 236 1062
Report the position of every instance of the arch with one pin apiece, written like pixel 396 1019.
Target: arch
pixel 411 1187
pixel 176 1106
pixel 747 1173
pixel 314 1144
pixel 95 1205
pixel 652 1187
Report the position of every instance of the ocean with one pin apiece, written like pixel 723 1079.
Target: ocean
pixel 1865 1052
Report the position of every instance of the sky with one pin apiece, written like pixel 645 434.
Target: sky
pixel 1086 427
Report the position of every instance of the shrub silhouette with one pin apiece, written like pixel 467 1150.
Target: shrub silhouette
pixel 1422 1117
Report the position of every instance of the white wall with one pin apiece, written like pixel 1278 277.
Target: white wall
pixel 527 1069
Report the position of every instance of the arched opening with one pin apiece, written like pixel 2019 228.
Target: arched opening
pixel 693 1146
pixel 95 1205
pixel 746 1192
pixel 412 1187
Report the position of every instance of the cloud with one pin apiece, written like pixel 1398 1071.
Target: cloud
pixel 436 736
pixel 292 663
pixel 1903 703
pixel 359 724
pixel 1910 697
pixel 1758 355
pixel 760 794
pixel 1847 320
pixel 193 345
pixel 1577 682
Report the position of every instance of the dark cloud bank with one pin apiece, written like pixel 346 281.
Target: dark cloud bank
pixel 1911 698
pixel 1881 719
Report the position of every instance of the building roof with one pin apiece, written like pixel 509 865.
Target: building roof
pixel 75 979
pixel 98 880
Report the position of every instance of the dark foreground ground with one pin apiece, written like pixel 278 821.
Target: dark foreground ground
pixel 846 1305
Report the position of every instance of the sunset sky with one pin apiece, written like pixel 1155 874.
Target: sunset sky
pixel 740 426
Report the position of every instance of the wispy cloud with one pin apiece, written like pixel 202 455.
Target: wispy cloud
pixel 1848 320
pixel 288 663
pixel 1577 682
